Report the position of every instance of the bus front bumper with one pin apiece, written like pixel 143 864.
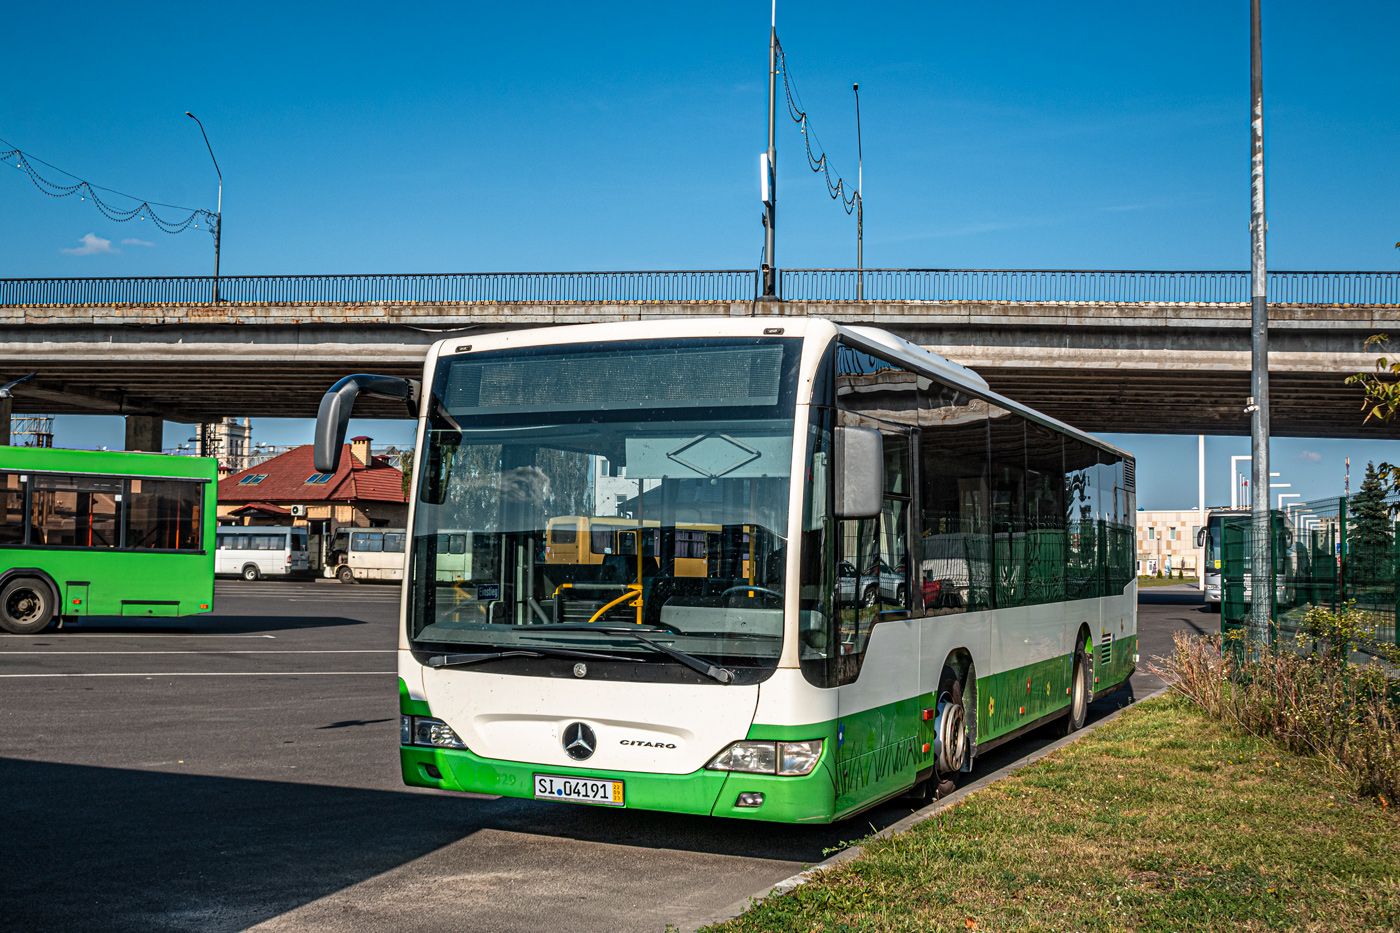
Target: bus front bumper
pixel 807 799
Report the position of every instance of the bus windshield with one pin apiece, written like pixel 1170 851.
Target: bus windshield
pixel 640 484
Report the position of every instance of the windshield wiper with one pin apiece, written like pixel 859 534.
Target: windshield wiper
pixel 699 665
pixel 459 660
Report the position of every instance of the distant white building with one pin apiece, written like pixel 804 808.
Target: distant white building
pixel 1166 541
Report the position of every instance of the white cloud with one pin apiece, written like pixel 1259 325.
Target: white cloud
pixel 132 241
pixel 1309 455
pixel 92 243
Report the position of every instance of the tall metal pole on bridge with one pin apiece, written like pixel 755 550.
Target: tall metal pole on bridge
pixel 219 215
pixel 770 169
pixel 1262 551
pixel 860 205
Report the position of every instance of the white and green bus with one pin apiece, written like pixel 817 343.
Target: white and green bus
pixel 995 544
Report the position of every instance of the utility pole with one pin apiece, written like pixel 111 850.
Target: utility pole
pixel 219 214
pixel 770 171
pixel 1261 609
pixel 860 205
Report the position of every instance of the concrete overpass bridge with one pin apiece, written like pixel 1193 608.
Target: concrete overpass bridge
pixel 1132 351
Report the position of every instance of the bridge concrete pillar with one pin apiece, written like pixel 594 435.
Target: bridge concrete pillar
pixel 7 407
pixel 143 432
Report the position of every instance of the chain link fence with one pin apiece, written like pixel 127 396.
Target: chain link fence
pixel 1322 556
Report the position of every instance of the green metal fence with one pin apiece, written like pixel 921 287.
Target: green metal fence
pixel 1322 556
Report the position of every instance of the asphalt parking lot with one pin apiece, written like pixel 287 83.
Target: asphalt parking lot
pixel 240 771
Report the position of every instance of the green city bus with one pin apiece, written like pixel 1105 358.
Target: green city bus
pixel 103 533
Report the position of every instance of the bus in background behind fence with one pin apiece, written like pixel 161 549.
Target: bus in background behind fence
pixel 1323 555
pixel 103 533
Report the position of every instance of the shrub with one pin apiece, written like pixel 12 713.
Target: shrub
pixel 1330 692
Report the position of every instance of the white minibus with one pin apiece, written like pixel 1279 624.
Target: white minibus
pixel 254 552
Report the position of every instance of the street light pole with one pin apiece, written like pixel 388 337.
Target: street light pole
pixel 219 214
pixel 860 204
pixel 1260 612
pixel 770 216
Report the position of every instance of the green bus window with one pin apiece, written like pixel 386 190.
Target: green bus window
pixel 1008 447
pixel 75 511
pixel 954 550
pixel 11 510
pixel 164 515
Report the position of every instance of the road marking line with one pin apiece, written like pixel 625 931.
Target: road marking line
pixel 67 634
pixel 229 651
pixel 222 674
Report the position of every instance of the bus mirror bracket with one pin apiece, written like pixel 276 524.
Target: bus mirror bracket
pixel 860 472
pixel 333 417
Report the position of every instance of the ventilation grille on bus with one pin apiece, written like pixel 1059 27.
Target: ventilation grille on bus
pixel 1106 648
pixel 1130 474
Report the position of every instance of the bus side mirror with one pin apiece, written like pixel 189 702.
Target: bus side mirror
pixel 860 472
pixel 339 401
pixel 1201 538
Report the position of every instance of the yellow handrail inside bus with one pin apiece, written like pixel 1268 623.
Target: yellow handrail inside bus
pixel 634 590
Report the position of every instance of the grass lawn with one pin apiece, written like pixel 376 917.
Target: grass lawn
pixel 1163 820
pixel 1147 580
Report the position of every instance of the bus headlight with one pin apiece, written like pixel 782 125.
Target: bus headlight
pixel 798 757
pixel 782 758
pixel 421 730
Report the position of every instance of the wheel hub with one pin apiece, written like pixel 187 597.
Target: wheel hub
pixel 950 734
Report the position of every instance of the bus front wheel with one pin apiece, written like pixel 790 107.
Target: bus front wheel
pixel 251 573
pixel 345 574
pixel 26 606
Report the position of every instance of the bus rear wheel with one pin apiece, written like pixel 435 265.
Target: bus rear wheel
pixel 345 574
pixel 251 573
pixel 1079 692
pixel 26 606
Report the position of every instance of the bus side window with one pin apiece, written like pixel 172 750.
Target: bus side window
pixel 11 510
pixel 393 543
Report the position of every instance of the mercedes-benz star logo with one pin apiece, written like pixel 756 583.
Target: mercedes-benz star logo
pixel 579 741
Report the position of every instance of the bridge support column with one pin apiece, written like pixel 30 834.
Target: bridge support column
pixel 7 407
pixel 143 432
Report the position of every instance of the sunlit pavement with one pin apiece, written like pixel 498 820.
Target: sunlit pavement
pixel 241 770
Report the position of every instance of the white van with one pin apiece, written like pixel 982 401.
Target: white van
pixel 367 554
pixel 253 552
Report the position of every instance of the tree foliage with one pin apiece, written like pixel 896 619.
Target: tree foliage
pixel 1370 540
pixel 1382 399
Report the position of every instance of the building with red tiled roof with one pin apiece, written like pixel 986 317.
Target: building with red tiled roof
pixel 365 492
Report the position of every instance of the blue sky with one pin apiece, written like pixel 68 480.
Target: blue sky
pixel 359 138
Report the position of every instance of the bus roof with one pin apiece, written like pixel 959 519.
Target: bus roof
pixel 874 338
pixel 107 462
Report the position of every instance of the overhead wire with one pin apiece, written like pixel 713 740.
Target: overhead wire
pixel 85 190
pixel 817 163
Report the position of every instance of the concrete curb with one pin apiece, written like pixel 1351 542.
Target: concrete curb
pixel 913 819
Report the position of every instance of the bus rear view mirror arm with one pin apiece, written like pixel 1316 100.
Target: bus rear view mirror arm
pixel 860 472
pixel 338 403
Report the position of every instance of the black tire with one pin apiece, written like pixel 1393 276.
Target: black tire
pixel 251 573
pixel 26 606
pixel 868 598
pixel 1081 692
pixel 900 595
pixel 345 574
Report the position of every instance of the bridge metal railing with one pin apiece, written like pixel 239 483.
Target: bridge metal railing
pixel 838 285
